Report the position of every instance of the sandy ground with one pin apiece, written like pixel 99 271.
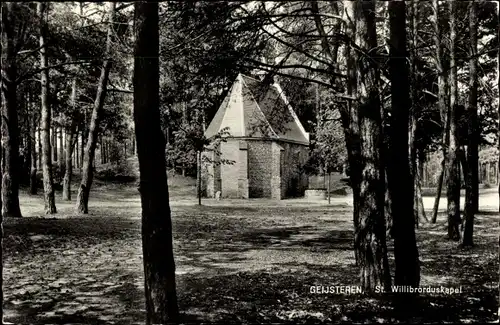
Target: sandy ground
pixel 237 261
pixel 488 202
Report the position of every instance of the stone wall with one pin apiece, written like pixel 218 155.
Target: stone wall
pixel 275 169
pixel 243 181
pixel 262 169
pixel 277 152
pixel 259 172
pixel 230 173
pixel 293 180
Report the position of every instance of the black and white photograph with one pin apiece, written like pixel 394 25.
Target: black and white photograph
pixel 250 162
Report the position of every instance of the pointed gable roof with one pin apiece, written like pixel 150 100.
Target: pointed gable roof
pixel 254 109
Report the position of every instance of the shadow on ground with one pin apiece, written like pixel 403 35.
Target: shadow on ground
pixel 241 264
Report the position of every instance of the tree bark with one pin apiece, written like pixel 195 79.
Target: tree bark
pixel 48 181
pixel 487 167
pixel 418 206
pixel 498 130
pixel 4 11
pixel 133 147
pixel 467 229
pixel 471 176
pixel 82 201
pixel 350 123
pixel 372 250
pixel 61 162
pixel 68 174
pixel 415 112
pixel 159 265
pixel 32 144
pixel 388 208
pixel 55 151
pixel 106 147
pixel 198 176
pixel 452 163
pixel 442 102
pixel 105 151
pixel 39 143
pixel 9 123
pixel 101 150
pixel 77 150
pixel 82 146
pixel 399 174
pixel 25 143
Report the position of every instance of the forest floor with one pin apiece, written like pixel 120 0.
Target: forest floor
pixel 237 261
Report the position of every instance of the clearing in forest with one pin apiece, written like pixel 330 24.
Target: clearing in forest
pixel 237 261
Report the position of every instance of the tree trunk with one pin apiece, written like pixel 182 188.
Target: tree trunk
pixel 198 176
pixel 498 129
pixel 399 174
pixel 101 149
pixel 350 123
pixel 77 151
pixel 48 181
pixel 372 250
pixel 39 144
pixel 9 123
pixel 418 206
pixel 4 19
pixel 490 181
pixel 414 114
pixel 33 169
pixel 74 160
pixel 68 174
pixel 467 226
pixel 82 201
pixel 349 114
pixel 452 163
pixel 54 144
pixel 159 265
pixel 439 189
pixel 109 158
pixel 61 162
pixel 26 144
pixel 329 187
pixel 388 208
pixel 105 150
pixel 443 108
pixel 471 177
pixel 82 146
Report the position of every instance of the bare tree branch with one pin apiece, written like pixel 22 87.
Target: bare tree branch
pixel 297 66
pixel 319 82
pixel 31 73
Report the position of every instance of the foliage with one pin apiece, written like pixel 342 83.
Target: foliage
pixel 489 154
pixel 201 49
pixel 328 145
pixel 183 152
